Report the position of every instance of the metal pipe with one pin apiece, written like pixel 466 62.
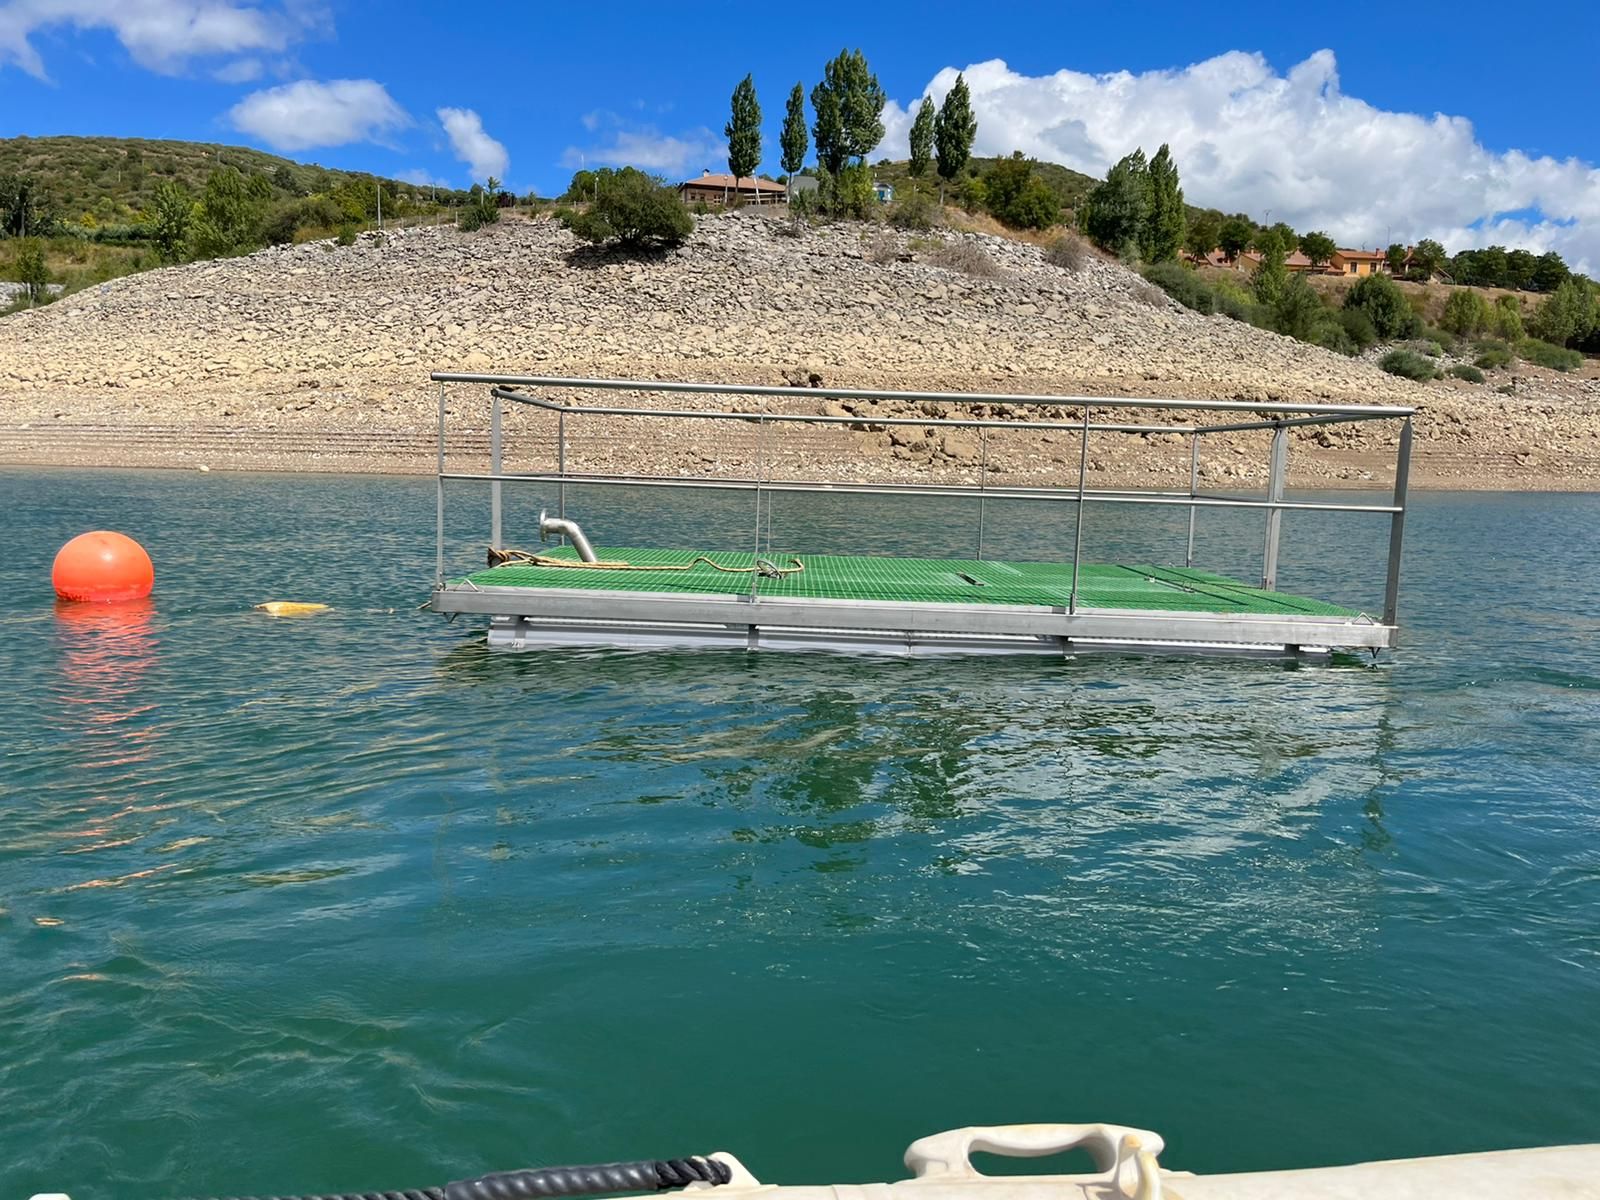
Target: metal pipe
pixel 863 489
pixel 1397 526
pixel 494 466
pixel 983 480
pixel 826 393
pixel 561 527
pixel 1277 473
pixel 708 414
pixel 1194 487
pixel 561 464
pixel 1337 419
pixel 439 484
pixel 1077 522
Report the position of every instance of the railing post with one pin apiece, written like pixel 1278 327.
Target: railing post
pixel 761 468
pixel 439 566
pixel 1277 472
pixel 1397 525
pixel 561 465
pixel 494 469
pixel 1194 488
pixel 983 483
pixel 1077 528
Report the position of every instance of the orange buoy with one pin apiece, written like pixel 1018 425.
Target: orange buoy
pixel 102 567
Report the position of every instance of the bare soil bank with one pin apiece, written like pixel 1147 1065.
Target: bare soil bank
pixel 316 357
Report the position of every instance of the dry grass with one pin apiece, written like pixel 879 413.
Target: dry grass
pixel 965 256
pixel 883 247
pixel 1069 252
pixel 962 221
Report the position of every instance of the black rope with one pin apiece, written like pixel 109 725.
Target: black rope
pixel 647 1176
pixel 659 1175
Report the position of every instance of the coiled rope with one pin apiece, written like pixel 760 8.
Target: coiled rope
pixel 764 567
pixel 649 1175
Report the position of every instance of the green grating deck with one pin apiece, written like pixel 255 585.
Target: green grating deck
pixel 920 580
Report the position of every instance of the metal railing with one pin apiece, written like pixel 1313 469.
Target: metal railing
pixel 1250 416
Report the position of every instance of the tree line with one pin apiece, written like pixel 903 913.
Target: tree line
pixel 847 125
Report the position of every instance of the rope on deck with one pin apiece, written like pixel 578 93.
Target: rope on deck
pixel 765 568
pixel 658 1175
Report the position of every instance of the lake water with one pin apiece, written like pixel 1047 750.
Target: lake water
pixel 349 902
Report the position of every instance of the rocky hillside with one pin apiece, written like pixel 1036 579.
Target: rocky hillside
pixel 340 340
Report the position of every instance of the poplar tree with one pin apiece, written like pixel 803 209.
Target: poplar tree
pixel 793 138
pixel 849 104
pixel 1119 209
pixel 743 132
pixel 954 131
pixel 1162 237
pixel 922 138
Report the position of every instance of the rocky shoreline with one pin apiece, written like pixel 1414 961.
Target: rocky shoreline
pixel 316 357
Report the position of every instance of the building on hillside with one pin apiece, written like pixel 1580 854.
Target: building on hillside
pixel 1297 263
pixel 883 191
pixel 724 189
pixel 1349 263
pixel 1359 262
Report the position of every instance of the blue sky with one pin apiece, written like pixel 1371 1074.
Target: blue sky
pixel 1324 114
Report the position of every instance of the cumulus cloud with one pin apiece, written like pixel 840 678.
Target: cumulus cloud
pixel 472 143
pixel 421 177
pixel 1248 138
pixel 645 147
pixel 240 70
pixel 298 116
pixel 162 35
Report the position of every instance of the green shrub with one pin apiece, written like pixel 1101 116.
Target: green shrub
pixel 1331 335
pixel 1384 304
pixel 470 218
pixel 1507 319
pixel 1443 338
pixel 1493 355
pixel 1465 313
pixel 916 211
pixel 1543 354
pixel 1017 197
pixel 1183 285
pixel 563 213
pixel 1357 327
pixel 31 271
pixel 347 236
pixel 1470 374
pixel 1298 312
pixel 1426 347
pixel 637 213
pixel 1406 363
pixel 853 194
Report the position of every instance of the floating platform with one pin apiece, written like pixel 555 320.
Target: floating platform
pixel 888 604
pixel 904 606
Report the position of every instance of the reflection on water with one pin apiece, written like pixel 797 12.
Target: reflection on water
pixel 361 887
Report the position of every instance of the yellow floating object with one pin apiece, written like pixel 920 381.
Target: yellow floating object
pixel 290 608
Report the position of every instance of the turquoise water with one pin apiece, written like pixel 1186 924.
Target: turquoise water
pixel 349 902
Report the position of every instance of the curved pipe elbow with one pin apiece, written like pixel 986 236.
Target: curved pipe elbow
pixel 561 527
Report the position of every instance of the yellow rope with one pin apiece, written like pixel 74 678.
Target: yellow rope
pixel 762 567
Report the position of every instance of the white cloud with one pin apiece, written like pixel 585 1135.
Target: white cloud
pixel 421 177
pixel 645 147
pixel 298 116
pixel 1247 138
pixel 240 70
pixel 472 143
pixel 162 35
